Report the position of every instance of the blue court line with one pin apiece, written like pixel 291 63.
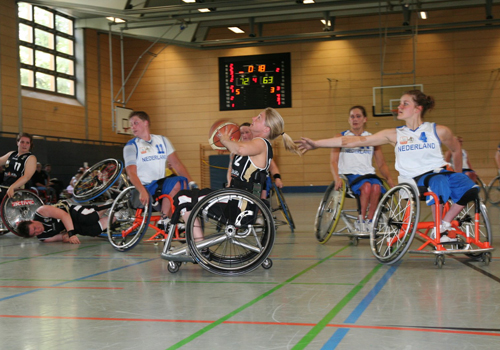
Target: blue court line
pixel 340 333
pixel 75 280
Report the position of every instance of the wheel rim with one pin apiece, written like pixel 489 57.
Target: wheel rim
pixel 329 212
pixel 21 206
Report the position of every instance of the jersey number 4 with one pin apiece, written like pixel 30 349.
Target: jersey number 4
pixel 423 137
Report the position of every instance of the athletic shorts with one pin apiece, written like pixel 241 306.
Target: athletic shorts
pixel 356 188
pixel 85 221
pixel 166 185
pixel 446 186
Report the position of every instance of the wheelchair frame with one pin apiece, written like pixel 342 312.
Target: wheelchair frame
pixel 331 211
pixel 494 191
pixel 395 225
pixel 278 203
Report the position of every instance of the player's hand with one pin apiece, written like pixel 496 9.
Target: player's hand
pixel 278 183
pixel 144 196
pixel 74 240
pixel 305 144
pixel 10 191
pixel 339 184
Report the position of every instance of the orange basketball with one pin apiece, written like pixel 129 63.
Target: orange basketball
pixel 223 125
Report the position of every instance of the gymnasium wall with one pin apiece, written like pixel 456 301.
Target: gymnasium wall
pixel 180 89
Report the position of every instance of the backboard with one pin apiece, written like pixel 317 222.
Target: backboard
pixel 386 98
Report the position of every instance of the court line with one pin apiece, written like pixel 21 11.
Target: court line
pixel 46 287
pixel 247 305
pixel 48 254
pixel 74 280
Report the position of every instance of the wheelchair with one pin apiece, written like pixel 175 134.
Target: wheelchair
pixel 238 234
pixel 278 203
pixel 102 181
pixel 20 207
pixel 395 225
pixel 494 191
pixel 333 219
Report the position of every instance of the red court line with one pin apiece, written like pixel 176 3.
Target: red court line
pixel 44 287
pixel 258 323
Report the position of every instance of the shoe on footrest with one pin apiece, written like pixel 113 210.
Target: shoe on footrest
pixel 447 240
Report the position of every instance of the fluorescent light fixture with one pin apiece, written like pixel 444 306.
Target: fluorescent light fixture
pixel 308 2
pixel 324 23
pixel 237 30
pixel 204 10
pixel 115 19
pixel 189 1
pixel 422 14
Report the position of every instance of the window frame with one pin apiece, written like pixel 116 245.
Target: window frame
pixel 54 52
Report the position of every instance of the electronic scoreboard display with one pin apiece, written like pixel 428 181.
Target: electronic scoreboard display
pixel 255 82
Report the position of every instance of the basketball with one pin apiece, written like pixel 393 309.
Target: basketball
pixel 224 126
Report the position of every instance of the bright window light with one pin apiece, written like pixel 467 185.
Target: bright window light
pixel 237 30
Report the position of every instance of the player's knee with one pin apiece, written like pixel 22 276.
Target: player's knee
pixel 468 196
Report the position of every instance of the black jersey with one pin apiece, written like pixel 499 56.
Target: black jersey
pixel 244 173
pixel 14 168
pixel 51 226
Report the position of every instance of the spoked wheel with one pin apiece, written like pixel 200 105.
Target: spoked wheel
pixel 494 191
pixel 395 224
pixel 230 232
pixel 127 221
pixel 328 214
pixel 97 180
pixel 283 207
pixel 466 224
pixel 20 207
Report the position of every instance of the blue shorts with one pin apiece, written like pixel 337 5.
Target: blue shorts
pixel 356 188
pixel 167 185
pixel 447 186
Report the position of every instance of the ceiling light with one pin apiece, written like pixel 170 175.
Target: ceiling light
pixel 204 10
pixel 308 2
pixel 189 1
pixel 324 23
pixel 422 14
pixel 237 30
pixel 115 19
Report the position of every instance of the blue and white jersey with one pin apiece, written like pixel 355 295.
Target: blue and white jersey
pixel 418 151
pixel 465 162
pixel 356 160
pixel 150 157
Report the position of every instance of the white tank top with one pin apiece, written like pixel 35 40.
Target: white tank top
pixel 356 160
pixel 418 151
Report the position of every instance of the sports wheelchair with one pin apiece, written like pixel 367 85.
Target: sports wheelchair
pixel 494 191
pixel 20 207
pixel 278 203
pixel 396 224
pixel 333 219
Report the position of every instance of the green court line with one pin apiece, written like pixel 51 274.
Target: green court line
pixel 329 316
pixel 250 303
pixel 168 281
pixel 39 256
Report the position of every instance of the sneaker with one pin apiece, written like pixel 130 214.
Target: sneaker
pixel 446 239
pixel 359 225
pixel 163 223
pixel 369 225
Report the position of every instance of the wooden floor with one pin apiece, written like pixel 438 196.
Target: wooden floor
pixel 332 296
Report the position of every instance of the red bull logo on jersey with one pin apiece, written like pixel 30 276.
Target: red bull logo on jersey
pixel 23 202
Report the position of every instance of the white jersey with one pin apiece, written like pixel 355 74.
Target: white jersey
pixel 357 160
pixel 150 157
pixel 418 151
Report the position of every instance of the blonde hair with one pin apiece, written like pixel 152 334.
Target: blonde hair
pixel 276 125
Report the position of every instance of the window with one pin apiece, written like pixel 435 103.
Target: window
pixel 46 50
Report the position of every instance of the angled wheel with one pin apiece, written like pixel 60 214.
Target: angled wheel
pixel 20 207
pixel 494 191
pixel 394 224
pixel 97 180
pixel 235 232
pixel 283 207
pixel 127 220
pixel 466 224
pixel 329 210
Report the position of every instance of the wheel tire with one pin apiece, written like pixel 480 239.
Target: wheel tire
pixel 284 207
pixel 494 191
pixel 466 224
pixel 328 214
pixel 267 264
pixel 97 180
pixel 235 240
pixel 173 267
pixel 21 206
pixel 127 224
pixel 395 224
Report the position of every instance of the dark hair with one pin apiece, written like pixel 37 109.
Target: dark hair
pixel 25 134
pixel 363 110
pixel 23 229
pixel 141 115
pixel 421 99
pixel 245 124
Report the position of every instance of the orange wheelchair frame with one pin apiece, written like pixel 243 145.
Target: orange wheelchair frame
pixel 396 224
